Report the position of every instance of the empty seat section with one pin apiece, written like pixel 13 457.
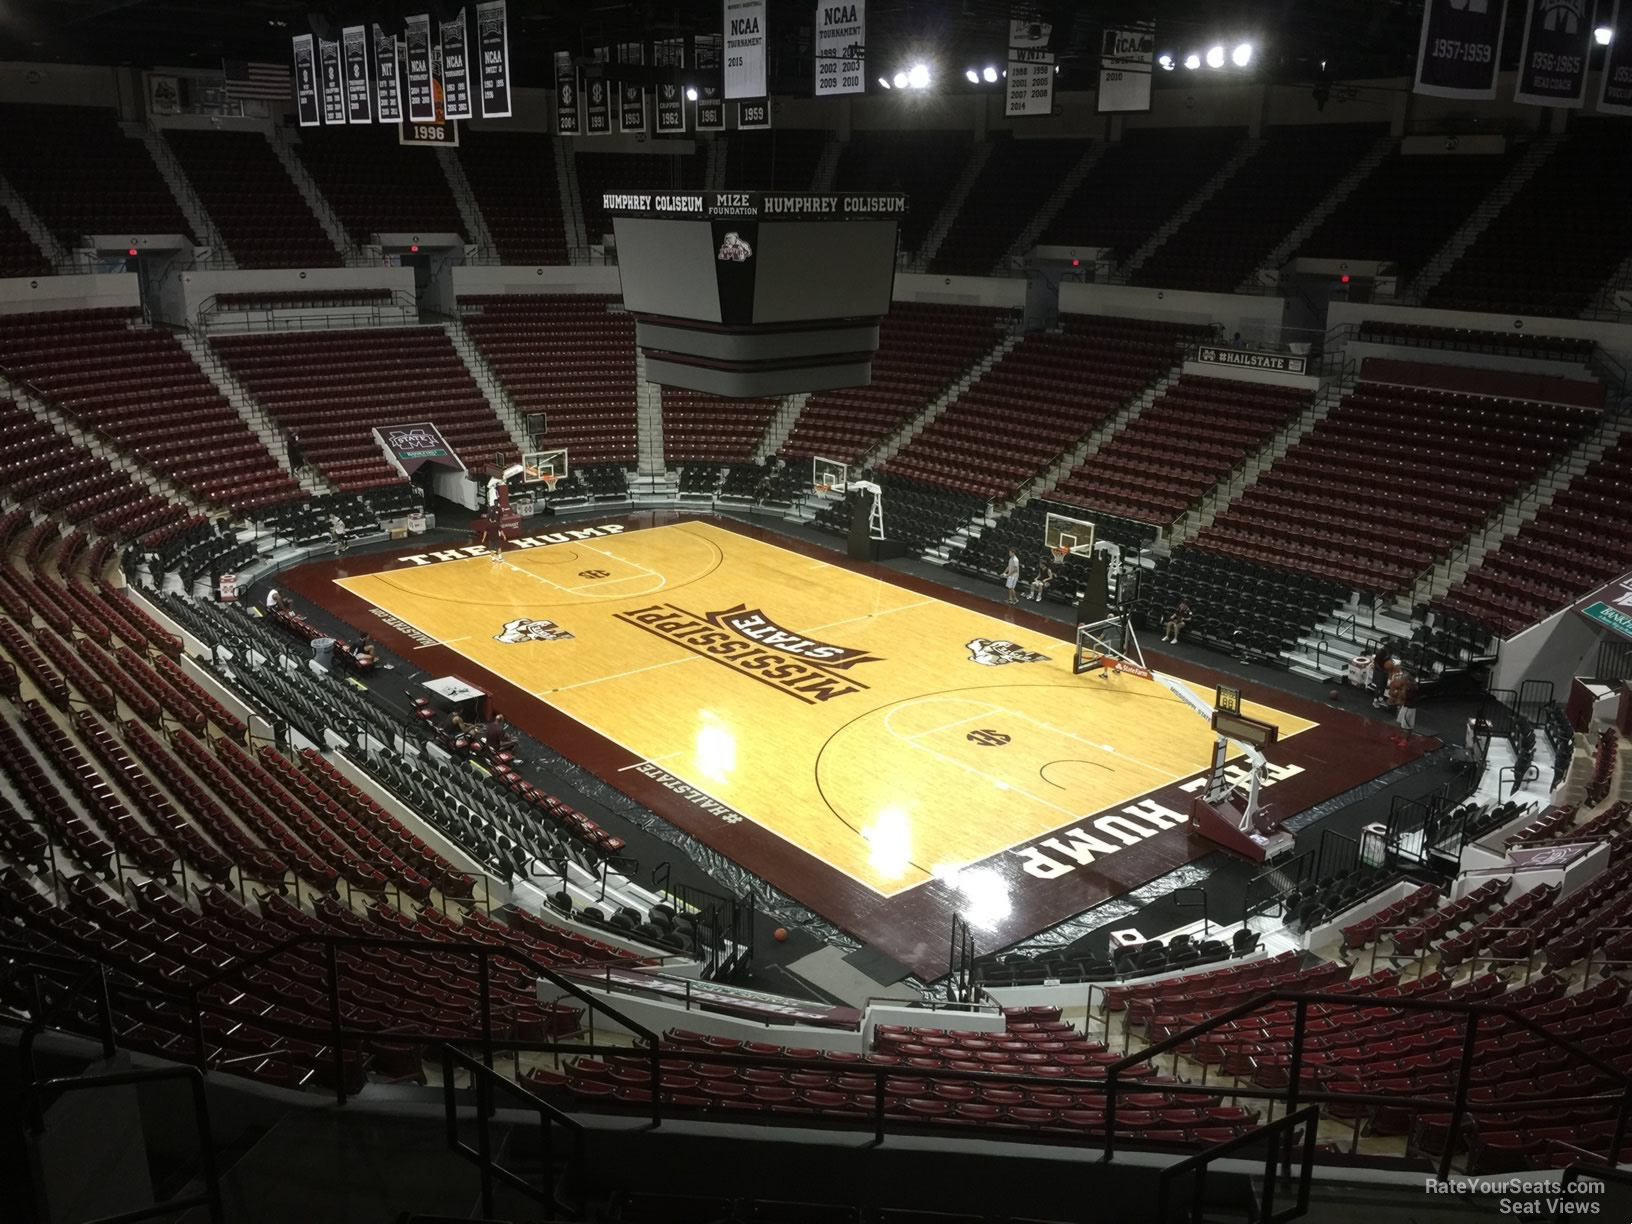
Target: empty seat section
pixel 1173 452
pixel 376 185
pixel 331 389
pixel 1438 192
pixel 570 357
pixel 81 174
pixel 1559 239
pixel 254 203
pixel 1036 403
pixel 1138 184
pixel 712 429
pixel 922 349
pixel 1017 177
pixel 924 164
pixel 513 177
pixel 783 159
pixel 1294 168
pixel 599 173
pixel 18 254
pixel 138 389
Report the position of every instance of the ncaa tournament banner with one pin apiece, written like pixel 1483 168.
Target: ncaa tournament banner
pixel 306 105
pixel 1031 70
pixel 598 99
pixel 493 51
pixel 455 68
pixel 1126 61
pixel 354 55
pixel 1553 63
pixel 417 38
pixel 1460 48
pixel 670 53
pixel 753 113
pixel 1615 90
pixel 710 103
pixel 841 42
pixel 387 91
pixel 744 49
pixel 334 90
pixel 566 95
pixel 631 94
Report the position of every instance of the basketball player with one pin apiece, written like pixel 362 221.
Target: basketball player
pixel 495 532
pixel 1011 576
pixel 337 529
pixel 1043 579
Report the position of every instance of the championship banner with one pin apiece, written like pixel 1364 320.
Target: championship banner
pixel 334 89
pixel 1031 70
pixel 306 105
pixel 354 57
pixel 387 90
pixel 631 94
pixel 753 113
pixel 670 53
pixel 1615 90
pixel 1553 63
pixel 597 107
pixel 745 49
pixel 1126 61
pixel 710 102
pixel 455 68
pixel 493 47
pixel 841 48
pixel 417 38
pixel 566 95
pixel 1460 49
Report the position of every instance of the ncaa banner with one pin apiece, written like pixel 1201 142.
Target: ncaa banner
pixel 1126 61
pixel 1553 63
pixel 306 105
pixel 334 90
pixel 417 38
pixel 631 94
pixel 1460 48
pixel 354 56
pixel 841 48
pixel 1615 90
pixel 670 53
pixel 493 50
pixel 1031 70
pixel 753 113
pixel 710 103
pixel 455 68
pixel 387 91
pixel 745 49
pixel 566 95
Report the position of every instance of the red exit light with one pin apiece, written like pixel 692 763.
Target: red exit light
pixel 132 250
pixel 1345 278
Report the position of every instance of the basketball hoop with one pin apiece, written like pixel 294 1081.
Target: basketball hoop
pixel 548 479
pixel 1060 554
pixel 823 488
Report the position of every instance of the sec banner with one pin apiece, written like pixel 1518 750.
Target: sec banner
pixel 1460 48
pixel 744 49
pixel 841 42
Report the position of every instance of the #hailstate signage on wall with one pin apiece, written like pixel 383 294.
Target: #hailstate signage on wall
pixel 1280 363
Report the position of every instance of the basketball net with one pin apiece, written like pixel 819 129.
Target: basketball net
pixel 548 479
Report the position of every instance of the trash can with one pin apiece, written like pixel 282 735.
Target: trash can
pixel 323 651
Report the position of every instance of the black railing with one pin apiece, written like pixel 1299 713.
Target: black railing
pixel 1269 1135
pixel 1614 661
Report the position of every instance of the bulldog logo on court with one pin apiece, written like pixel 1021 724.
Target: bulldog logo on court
pixel 734 249
pixel 994 652
pixel 528 630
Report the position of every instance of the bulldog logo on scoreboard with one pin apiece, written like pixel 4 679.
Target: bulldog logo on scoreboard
pixel 734 249
pixel 994 652
pixel 525 629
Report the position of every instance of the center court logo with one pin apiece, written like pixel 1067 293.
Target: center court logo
pixel 528 630
pixel 749 642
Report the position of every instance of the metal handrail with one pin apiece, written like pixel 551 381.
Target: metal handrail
pixel 1308 1117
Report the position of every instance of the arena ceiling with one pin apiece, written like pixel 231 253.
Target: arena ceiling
pixel 1355 38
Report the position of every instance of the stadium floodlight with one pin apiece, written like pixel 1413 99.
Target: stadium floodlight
pixel 990 74
pixel 691 95
pixel 1166 61
pixel 1603 36
pixel 1242 55
pixel 900 80
pixel 884 81
pixel 1215 57
pixel 1192 61
pixel 918 76
pixel 972 75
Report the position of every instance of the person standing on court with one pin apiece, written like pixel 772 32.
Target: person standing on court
pixel 1406 699
pixel 1011 575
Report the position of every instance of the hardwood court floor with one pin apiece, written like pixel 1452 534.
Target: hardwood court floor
pixel 882 731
